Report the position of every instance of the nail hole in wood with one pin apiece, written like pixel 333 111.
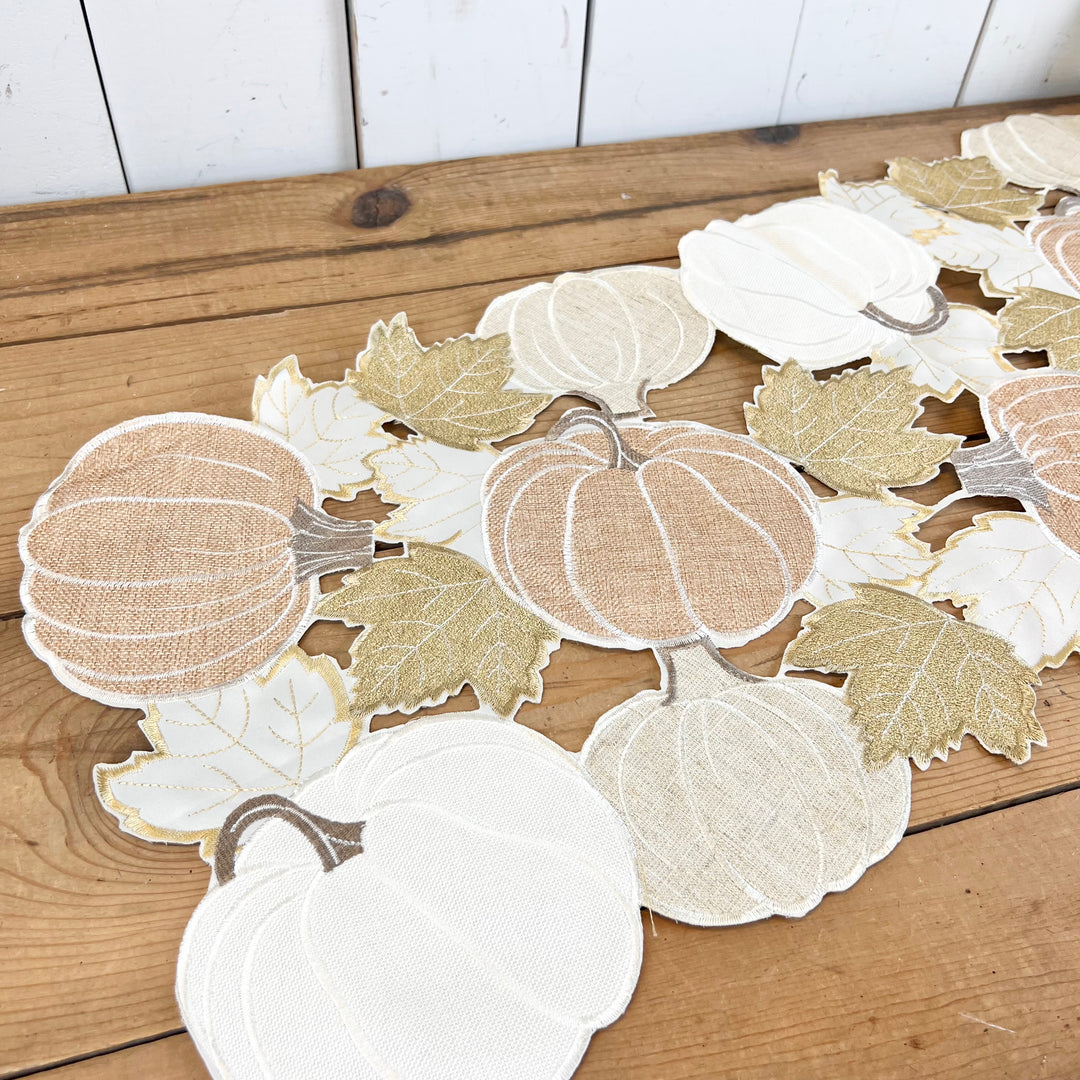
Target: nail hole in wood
pixel 779 135
pixel 380 207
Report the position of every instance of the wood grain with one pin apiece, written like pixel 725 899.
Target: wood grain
pixel 84 268
pixel 90 918
pixel 959 955
pixel 59 394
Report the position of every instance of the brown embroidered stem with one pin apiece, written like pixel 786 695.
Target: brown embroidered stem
pixel 322 544
pixel 935 321
pixel 642 411
pixel 998 468
pixel 697 670
pixel 620 456
pixel 333 841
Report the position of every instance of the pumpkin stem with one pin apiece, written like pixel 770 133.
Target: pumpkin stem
pixel 620 456
pixel 999 468
pixel 935 321
pixel 642 411
pixel 322 544
pixel 697 670
pixel 333 841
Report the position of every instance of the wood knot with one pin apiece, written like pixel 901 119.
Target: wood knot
pixel 380 207
pixel 779 135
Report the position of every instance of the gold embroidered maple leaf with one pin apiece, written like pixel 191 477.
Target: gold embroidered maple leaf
pixel 1041 319
pixel 919 679
pixel 969 187
pixel 853 431
pixel 435 620
pixel 452 391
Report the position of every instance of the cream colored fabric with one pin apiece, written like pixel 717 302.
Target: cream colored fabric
pixel 867 540
pixel 795 281
pixel 1010 577
pixel 1003 258
pixel 267 734
pixel 328 422
pixel 744 799
pixel 608 335
pixel 1034 150
pixel 488 927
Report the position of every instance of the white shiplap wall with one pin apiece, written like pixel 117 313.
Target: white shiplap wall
pixel 204 91
pixel 55 137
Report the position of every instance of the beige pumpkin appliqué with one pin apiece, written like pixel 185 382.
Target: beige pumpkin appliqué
pixel 177 553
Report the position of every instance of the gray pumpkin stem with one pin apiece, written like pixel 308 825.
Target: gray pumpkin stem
pixel 322 544
pixel 620 456
pixel 334 841
pixel 935 321
pixel 697 670
pixel 999 468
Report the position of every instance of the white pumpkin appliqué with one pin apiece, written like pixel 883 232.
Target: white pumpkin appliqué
pixel 487 928
pixel 811 281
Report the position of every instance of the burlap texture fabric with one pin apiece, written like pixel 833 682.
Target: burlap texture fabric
pixel 691 530
pixel 1041 413
pixel 159 563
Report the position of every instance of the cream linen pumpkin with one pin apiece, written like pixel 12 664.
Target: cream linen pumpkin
pixel 177 553
pixel 746 797
pixel 607 335
pixel 480 924
pixel 643 534
pixel 813 281
pixel 1033 149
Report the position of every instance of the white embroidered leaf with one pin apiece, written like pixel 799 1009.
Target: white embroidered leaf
pixel 328 422
pixel 1013 580
pixel 963 355
pixel 438 489
pixel 213 751
pixel 866 540
pixel 1004 258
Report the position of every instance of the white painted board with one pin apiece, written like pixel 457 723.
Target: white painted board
pixel 878 57
pixel 1030 49
pixel 55 137
pixel 207 91
pixel 461 78
pixel 682 67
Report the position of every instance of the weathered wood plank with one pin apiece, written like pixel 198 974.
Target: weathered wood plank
pixel 870 984
pixel 89 267
pixel 59 394
pixel 90 919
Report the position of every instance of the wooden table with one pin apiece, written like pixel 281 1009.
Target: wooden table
pixel 959 955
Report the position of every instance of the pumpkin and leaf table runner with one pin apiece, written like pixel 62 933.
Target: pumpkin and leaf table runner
pixel 176 562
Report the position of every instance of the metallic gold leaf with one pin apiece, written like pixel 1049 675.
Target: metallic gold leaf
pixel 970 187
pixel 451 391
pixel 435 620
pixel 1040 319
pixel 919 678
pixel 853 431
